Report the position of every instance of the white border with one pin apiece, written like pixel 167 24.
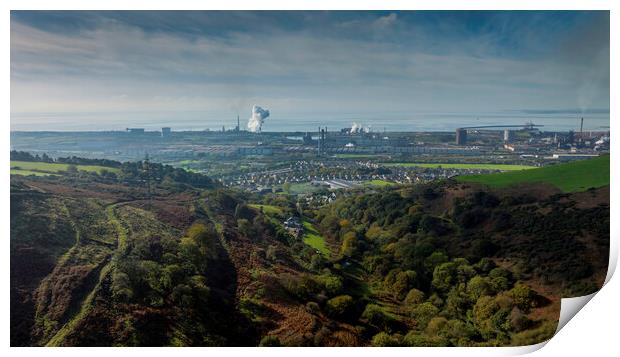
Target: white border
pixel 592 330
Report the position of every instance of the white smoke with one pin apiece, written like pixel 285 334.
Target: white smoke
pixel 255 124
pixel 359 128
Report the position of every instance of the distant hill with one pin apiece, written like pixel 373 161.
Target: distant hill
pixel 569 177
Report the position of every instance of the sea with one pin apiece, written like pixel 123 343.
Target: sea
pixel 594 120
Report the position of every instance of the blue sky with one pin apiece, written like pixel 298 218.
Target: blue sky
pixel 123 66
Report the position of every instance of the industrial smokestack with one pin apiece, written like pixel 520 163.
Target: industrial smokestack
pixel 255 123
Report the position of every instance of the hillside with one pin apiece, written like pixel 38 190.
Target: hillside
pixel 107 260
pixel 569 177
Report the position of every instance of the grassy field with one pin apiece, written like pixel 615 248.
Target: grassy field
pixel 267 209
pixel 46 167
pixel 314 239
pixel 503 167
pixel 378 183
pixel 569 177
pixel 302 188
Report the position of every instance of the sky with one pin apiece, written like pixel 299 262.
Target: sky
pixel 104 69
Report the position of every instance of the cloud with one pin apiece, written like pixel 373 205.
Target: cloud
pixel 359 62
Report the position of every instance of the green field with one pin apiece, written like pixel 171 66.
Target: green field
pixel 303 188
pixel 314 239
pixel 378 183
pixel 569 177
pixel 267 209
pixel 503 167
pixel 21 167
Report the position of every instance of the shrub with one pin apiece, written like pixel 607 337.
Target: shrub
pixel 414 297
pixel 340 306
pixel 270 341
pixel 383 339
pixel 375 316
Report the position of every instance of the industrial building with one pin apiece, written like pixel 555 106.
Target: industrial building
pixel 166 132
pixel 135 131
pixel 461 136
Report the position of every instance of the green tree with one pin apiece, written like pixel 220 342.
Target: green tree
pixel 349 243
pixel 444 276
pixel 423 313
pixel 523 296
pixel 403 282
pixel 479 286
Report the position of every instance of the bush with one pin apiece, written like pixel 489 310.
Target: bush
pixel 312 307
pixel 340 306
pixel 375 316
pixel 383 339
pixel 423 313
pixel 414 297
pixel 331 283
pixel 270 341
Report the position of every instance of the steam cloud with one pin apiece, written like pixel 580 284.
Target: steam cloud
pixel 358 128
pixel 255 124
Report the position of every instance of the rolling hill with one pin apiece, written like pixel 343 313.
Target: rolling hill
pixel 569 177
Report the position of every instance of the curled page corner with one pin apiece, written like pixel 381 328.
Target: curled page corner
pixel 569 307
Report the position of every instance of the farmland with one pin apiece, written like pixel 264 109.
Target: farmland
pixel 502 167
pixel 569 177
pixel 30 167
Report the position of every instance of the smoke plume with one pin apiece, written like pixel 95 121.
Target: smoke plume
pixel 358 128
pixel 255 124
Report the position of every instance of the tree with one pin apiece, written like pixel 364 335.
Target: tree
pixel 444 276
pixel 523 296
pixel 478 286
pixel 404 281
pixel 423 313
pixel 349 243
pixel 434 260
